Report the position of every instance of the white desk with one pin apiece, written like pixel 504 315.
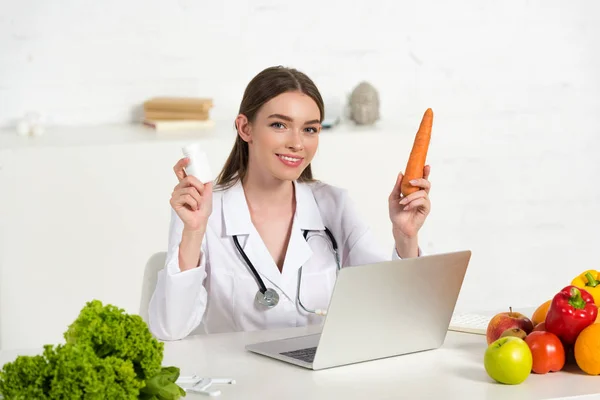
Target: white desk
pixel 454 371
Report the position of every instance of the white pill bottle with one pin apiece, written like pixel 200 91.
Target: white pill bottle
pixel 198 166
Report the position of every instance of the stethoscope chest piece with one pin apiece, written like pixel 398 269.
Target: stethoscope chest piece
pixel 269 298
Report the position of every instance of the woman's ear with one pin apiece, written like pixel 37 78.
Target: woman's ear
pixel 243 128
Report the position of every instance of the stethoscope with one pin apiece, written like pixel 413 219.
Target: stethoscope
pixel 269 297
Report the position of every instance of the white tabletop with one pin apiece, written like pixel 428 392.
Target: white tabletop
pixel 453 371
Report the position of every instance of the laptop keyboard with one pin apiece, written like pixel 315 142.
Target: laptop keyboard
pixel 470 323
pixel 306 355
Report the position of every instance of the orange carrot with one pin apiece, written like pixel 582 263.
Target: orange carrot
pixel 418 155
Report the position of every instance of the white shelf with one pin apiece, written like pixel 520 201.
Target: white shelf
pixel 98 135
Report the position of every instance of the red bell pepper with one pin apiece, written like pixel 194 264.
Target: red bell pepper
pixel 571 310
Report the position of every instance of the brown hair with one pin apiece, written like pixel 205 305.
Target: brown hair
pixel 269 83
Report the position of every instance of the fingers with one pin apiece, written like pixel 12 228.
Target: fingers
pixel 398 181
pixel 419 198
pixel 190 201
pixel 426 171
pixel 191 181
pixel 413 196
pixel 191 192
pixel 423 183
pixel 179 168
pixel 397 192
pixel 207 191
pixel 185 199
pixel 420 202
pixel 186 193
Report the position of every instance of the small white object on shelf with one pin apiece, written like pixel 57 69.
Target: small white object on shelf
pixel 23 128
pixel 37 130
pixel 179 125
pixel 31 125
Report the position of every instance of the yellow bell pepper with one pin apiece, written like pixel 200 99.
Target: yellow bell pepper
pixel 590 282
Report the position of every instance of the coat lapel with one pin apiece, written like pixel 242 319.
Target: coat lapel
pixel 307 217
pixel 237 221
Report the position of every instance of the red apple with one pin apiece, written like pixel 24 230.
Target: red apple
pixel 518 332
pixel 507 320
pixel 540 327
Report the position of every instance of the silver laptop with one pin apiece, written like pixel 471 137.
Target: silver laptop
pixel 380 310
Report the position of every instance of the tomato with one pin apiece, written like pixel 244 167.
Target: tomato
pixel 547 350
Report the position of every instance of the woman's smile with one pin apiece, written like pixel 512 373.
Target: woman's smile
pixel 289 160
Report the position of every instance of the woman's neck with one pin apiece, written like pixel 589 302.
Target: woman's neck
pixel 262 192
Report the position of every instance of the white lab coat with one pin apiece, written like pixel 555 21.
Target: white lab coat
pixel 219 295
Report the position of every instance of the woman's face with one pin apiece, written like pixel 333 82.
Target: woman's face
pixel 284 137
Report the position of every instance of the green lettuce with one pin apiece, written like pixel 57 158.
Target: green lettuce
pixel 107 354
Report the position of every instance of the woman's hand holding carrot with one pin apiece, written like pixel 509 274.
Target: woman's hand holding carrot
pixel 408 213
pixel 409 202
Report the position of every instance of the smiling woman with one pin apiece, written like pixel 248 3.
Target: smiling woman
pixel 262 250
pixel 283 137
pixel 284 102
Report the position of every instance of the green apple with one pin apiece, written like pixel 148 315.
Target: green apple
pixel 508 360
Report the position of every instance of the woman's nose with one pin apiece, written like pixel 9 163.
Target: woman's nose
pixel 295 141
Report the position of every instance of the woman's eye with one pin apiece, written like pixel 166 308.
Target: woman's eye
pixel 312 130
pixel 278 125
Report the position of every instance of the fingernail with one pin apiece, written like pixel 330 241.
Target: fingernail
pixel 413 181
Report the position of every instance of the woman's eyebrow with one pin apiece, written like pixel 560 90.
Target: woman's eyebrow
pixel 281 116
pixel 286 118
pixel 314 121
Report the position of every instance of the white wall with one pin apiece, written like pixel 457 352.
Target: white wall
pixel 84 61
pixel 514 87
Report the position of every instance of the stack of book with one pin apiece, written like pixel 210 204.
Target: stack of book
pixel 177 113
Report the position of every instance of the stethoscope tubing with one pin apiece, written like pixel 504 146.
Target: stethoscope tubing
pixel 260 282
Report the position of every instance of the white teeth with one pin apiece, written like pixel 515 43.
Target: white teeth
pixel 290 159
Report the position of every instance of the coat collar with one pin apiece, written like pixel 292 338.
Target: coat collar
pixel 237 221
pixel 237 216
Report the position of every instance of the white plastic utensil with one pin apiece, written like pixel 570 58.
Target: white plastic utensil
pixel 201 385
